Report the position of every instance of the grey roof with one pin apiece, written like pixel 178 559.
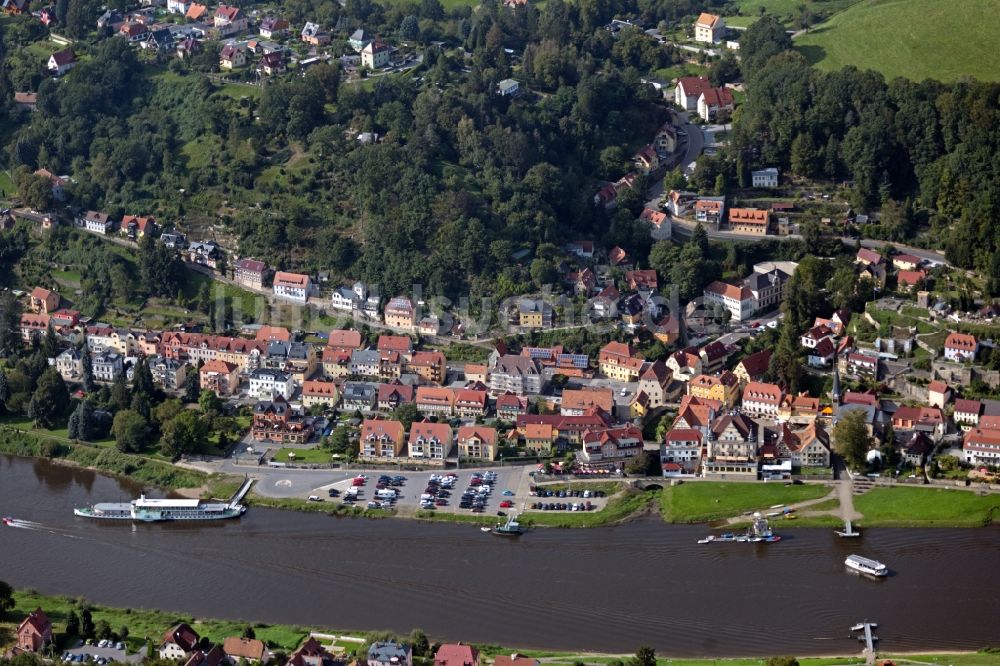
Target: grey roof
pixel 359 391
pixel 269 375
pixel 512 364
pixel 387 651
pixel 365 356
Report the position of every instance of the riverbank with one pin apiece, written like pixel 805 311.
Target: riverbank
pixel 690 502
pixel 149 623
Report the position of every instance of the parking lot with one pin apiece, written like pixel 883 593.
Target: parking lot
pixel 95 654
pixel 510 490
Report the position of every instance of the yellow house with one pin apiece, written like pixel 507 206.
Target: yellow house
pixel 429 366
pixel 400 313
pixel 724 387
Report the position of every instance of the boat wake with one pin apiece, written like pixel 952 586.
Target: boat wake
pixel 22 524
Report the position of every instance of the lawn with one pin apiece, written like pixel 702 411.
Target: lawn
pixel 696 502
pixel 677 71
pixel 303 455
pixel 925 507
pixel 141 622
pixel 787 9
pixel 924 39
pixel 239 90
pixel 7 188
pixel 199 152
pixel 27 425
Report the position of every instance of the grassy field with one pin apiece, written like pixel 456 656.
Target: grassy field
pixel 7 188
pixel 915 39
pixel 925 507
pixel 786 9
pixel 154 623
pixel 303 455
pixel 701 502
pixel 676 71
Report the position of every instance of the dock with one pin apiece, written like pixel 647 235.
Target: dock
pixel 848 531
pixel 868 637
pixel 241 493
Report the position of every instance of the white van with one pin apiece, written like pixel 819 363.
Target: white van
pixel 386 493
pixel 352 491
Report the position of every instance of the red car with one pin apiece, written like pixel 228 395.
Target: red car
pixel 506 504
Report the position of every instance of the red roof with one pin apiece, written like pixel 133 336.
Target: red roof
pixel 747 216
pixel 761 392
pixel 910 278
pixel 693 86
pixel 228 13
pixel 869 256
pixel 960 341
pixel 456 654
pixel 654 217
pixel 251 265
pixel 349 339
pixel 718 97
pixel 966 406
pixel 398 343
pixel 756 364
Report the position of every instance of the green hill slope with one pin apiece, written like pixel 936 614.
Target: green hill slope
pixel 916 39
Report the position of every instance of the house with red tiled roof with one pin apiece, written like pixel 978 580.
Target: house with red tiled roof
pixel 509 406
pixel 456 654
pixel 347 340
pixel 967 412
pixel 906 262
pixel 617 360
pixel 612 444
pixel 909 280
pixel 250 273
pixel 926 419
pixel 382 439
pixel 723 387
pixel 738 301
pixel 319 392
pixel 135 226
pixel 714 101
pixel 868 257
pixel 34 632
pixel 641 280
pixel 435 400
pixel 762 400
pixel 576 402
pixel 179 642
pixel 219 377
pixel 681 452
pixel 753 367
pixel 617 256
pixel 938 394
pixel 291 286
pixel 477 443
pixel 709 211
pixel 685 364
pixel 709 28
pixel 659 221
pixel 250 650
pixel 430 441
pixel 981 447
pixel 749 220
pixel 470 403
pixel 960 347
pixel 43 301
pixel 688 90
pixel 229 20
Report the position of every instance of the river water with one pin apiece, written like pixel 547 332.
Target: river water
pixel 607 589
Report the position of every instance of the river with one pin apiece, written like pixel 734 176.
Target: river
pixel 606 589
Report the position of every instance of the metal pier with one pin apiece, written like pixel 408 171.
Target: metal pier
pixel 241 493
pixel 868 637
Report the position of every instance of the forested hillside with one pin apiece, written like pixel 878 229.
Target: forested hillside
pixel 927 154
pixel 459 180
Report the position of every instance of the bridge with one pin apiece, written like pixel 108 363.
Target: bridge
pixel 241 493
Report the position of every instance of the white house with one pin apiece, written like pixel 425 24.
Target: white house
pixel 95 223
pixel 375 55
pixel 106 366
pixel 268 384
pixel 762 400
pixel 688 90
pixel 507 88
pixel 292 286
pixel 709 28
pixel 738 301
pixel 178 6
pixel 713 101
pixel 61 62
pixel 765 177
pixel 960 347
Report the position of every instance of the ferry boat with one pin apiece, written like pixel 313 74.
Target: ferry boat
pixel 758 532
pixel 509 528
pixel 149 510
pixel 866 566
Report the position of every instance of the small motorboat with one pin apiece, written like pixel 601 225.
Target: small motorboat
pixel 7 520
pixel 485 529
pixel 708 539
